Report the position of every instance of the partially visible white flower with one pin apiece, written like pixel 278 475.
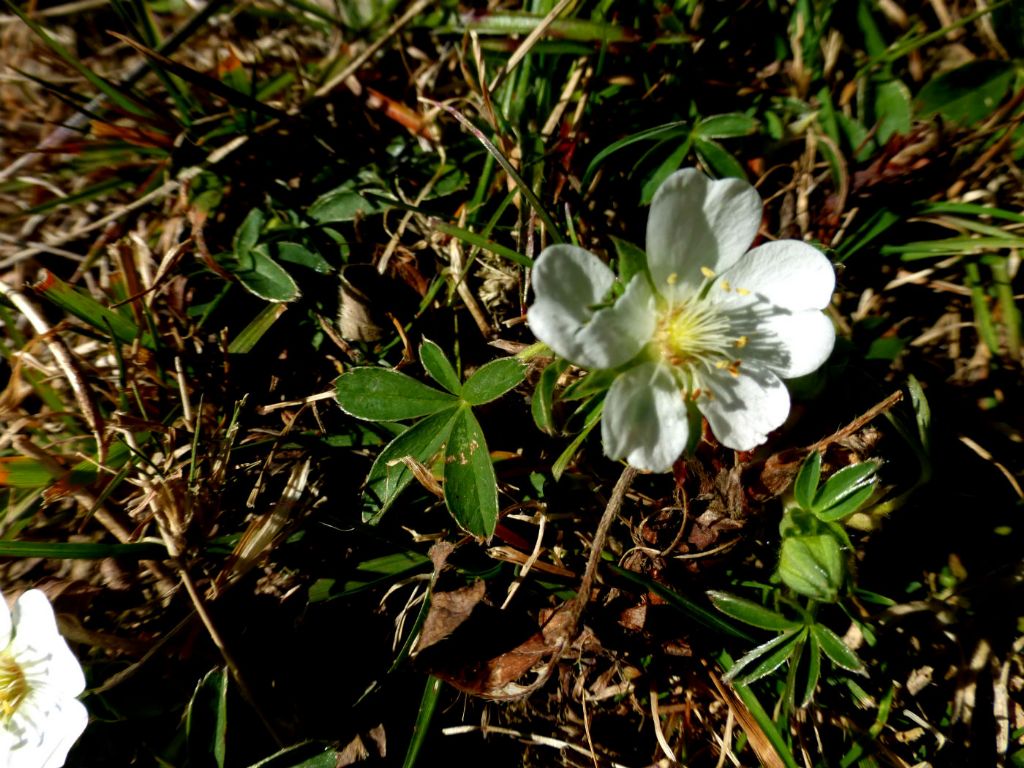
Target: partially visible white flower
pixel 711 323
pixel 40 718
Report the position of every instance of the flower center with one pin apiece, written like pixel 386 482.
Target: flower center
pixel 13 686
pixel 695 336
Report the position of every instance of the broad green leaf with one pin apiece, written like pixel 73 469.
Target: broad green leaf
pixel 848 505
pixel 492 380
pixel 632 259
pixel 766 647
pixel 470 487
pixel 844 483
pixel 206 719
pixel 893 110
pixel 726 126
pixel 807 478
pixel 813 651
pixel 834 647
pixel 813 566
pixel 666 168
pixel 261 275
pixel 718 159
pixel 967 94
pixel 389 475
pixel 248 233
pixel 370 573
pixel 341 204
pixel 295 253
pixel 750 612
pixel 437 366
pixel 542 403
pixel 382 394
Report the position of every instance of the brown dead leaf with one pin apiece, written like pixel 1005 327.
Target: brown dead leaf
pixel 448 611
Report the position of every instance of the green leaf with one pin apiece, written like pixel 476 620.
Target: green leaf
pixel 249 336
pixel 848 505
pixel 248 233
pixel 727 126
pixel 807 480
pixel 666 168
pixel 295 253
pixel 813 566
pixel 439 368
pixel 834 647
pixel 813 651
pixel 77 302
pixel 492 380
pixel 844 483
pixel 690 608
pixel 657 133
pixel 718 159
pixel 341 204
pixel 389 475
pixel 424 717
pixel 206 719
pixel 82 550
pixel 382 394
pixel 542 403
pixel 566 456
pixel 750 612
pixel 470 487
pixel 783 641
pixel 307 754
pixel 893 110
pixel 261 275
pixel 776 659
pixel 967 94
pixel 632 259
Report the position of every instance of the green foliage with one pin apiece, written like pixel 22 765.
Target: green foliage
pixel 449 433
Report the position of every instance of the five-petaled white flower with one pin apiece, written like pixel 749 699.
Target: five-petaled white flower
pixel 710 324
pixel 40 718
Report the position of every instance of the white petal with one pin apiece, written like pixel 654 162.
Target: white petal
pixel 788 273
pixel 568 282
pixel 48 727
pixel 791 344
pixel 6 627
pixel 39 647
pixel 743 409
pixel 696 222
pixel 644 419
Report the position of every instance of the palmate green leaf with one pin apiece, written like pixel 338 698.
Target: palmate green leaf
pixel 750 612
pixel 807 478
pixel 470 487
pixel 389 475
pixel 777 651
pixel 439 368
pixel 491 380
pixel 382 394
pixel 843 484
pixel 206 719
pixel 834 647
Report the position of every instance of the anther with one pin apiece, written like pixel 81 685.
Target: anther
pixel 708 272
pixel 741 342
pixel 743 291
pixel 672 279
pixel 725 285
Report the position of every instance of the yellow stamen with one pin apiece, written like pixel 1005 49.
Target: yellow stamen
pixel 672 279
pixel 707 272
pixel 743 291
pixel 725 285
pixel 741 342
pixel 13 686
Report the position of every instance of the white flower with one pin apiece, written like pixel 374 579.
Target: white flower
pixel 40 718
pixel 710 324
